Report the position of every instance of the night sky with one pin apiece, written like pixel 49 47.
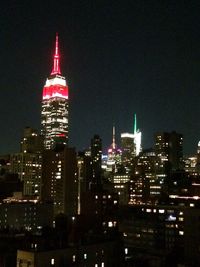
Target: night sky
pixel 119 58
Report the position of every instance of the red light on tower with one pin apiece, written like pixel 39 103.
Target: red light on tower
pixel 56 59
pixel 55 86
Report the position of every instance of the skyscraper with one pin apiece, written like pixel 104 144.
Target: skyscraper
pixel 54 115
pixel 169 151
pixel 114 155
pixel 137 137
pixel 59 180
pixel 27 163
pixel 131 145
pixel 96 153
pixel 128 149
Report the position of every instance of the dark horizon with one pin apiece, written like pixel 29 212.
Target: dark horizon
pixel 119 59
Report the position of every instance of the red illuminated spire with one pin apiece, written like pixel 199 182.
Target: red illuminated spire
pixel 56 59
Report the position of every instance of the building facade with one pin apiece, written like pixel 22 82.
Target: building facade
pixel 59 180
pixel 96 153
pixel 27 163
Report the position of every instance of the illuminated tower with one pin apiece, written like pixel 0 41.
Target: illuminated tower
pixel 55 107
pixel 114 154
pixel 137 137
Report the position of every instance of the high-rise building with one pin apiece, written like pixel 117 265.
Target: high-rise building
pixel 131 144
pixel 114 155
pixel 137 137
pixel 169 151
pixel 54 115
pixel 144 185
pixel 59 180
pixel 27 163
pixel 96 153
pixel 31 142
pixel 128 149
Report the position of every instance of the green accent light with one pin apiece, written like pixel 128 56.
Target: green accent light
pixel 135 123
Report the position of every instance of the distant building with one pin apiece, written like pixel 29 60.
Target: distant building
pixel 131 146
pixel 30 214
pixel 85 170
pixel 96 154
pixel 114 156
pixel 128 150
pixel 137 137
pixel 54 117
pixel 121 186
pixel 98 254
pixel 27 163
pixel 153 234
pixel 59 180
pixel 144 185
pixel 190 165
pixel 169 151
pixel 32 142
pixel 102 204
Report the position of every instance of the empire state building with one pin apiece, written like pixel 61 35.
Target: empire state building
pixel 54 114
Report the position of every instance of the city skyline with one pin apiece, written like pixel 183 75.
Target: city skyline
pixel 141 58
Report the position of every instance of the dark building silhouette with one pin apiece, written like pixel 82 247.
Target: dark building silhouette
pixel 59 179
pixel 96 153
pixel 144 185
pixel 169 151
pixel 31 142
pixel 27 163
pixel 9 183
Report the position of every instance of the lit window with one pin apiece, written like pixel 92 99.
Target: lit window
pixel 102 264
pixel 85 256
pixel 161 211
pixel 126 251
pixel 74 258
pixel 52 261
pixel 110 224
pixel 181 233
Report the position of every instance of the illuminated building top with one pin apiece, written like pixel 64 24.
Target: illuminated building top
pixel 114 154
pixel 113 148
pixel 135 124
pixel 54 113
pixel 56 85
pixel 127 135
pixel 137 137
